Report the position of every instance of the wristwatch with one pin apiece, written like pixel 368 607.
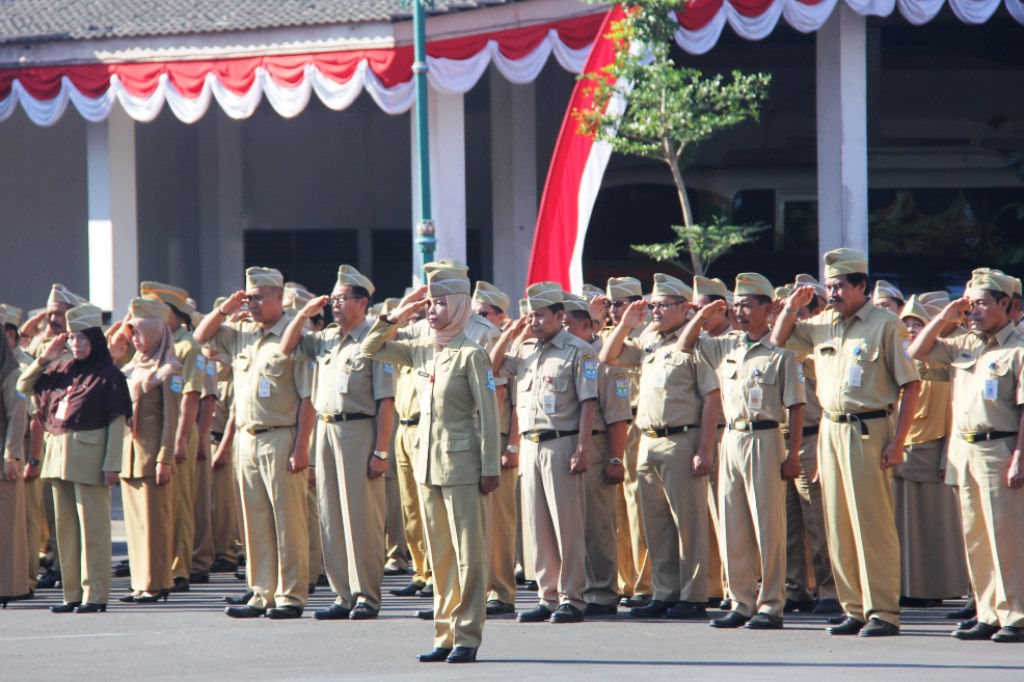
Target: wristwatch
pixel 514 449
pixel 381 455
pixel 615 460
pixel 33 462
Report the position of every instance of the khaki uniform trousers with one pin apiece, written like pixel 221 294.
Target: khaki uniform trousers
pixel 860 518
pixel 203 552
pixel 274 516
pixel 633 560
pixel 149 524
pixel 752 497
pixel 38 533
pixel 718 580
pixel 502 536
pixel 599 531
pixel 14 564
pixel 554 512
pixel 352 511
pixel 82 515
pixel 805 530
pixel 316 543
pixel 675 512
pixel 993 517
pixel 224 512
pixel 184 508
pixel 455 523
pixel 405 446
pixel 51 523
pixel 396 552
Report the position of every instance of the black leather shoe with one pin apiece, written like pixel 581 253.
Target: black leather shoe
pixel 636 600
pixel 425 614
pixel 962 613
pixel 827 606
pixel 594 609
pixel 394 570
pixel 836 620
pixel 979 631
pixel 362 611
pixel 531 586
pixel 1009 634
pixel 713 602
pixel 427 591
pixel 919 603
pixel 310 589
pixel 409 590
pixel 223 566
pixel 497 607
pixel 726 605
pixel 48 579
pixel 849 626
pixel 687 610
pixel 239 601
pixel 438 655
pixel 540 614
pixel 520 576
pixel 240 574
pixel 463 654
pixel 332 612
pixel 284 612
pixel 122 571
pixel 792 606
pixel 876 627
pixel 764 621
pixel 733 619
pixel 91 608
pixel 180 585
pixel 244 611
pixel 322 581
pixel 967 624
pixel 68 607
pixel 565 613
pixel 655 609
pixel 199 578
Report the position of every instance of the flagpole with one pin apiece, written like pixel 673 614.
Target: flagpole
pixel 425 232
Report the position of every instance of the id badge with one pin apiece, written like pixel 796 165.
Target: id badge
pixel 343 382
pixel 263 390
pixel 856 374
pixel 62 409
pixel 991 391
pixel 754 398
pixel 549 403
pixel 660 378
pixel 425 399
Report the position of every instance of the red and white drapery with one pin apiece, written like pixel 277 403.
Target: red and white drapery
pixel 337 78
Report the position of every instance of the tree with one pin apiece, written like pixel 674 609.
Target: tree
pixel 669 111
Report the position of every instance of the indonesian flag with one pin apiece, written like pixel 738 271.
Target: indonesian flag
pixel 574 179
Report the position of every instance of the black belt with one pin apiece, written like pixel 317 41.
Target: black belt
pixel 668 431
pixel 409 422
pixel 849 417
pixel 541 436
pixel 217 435
pixel 343 417
pixel 744 425
pixel 256 432
pixel 983 436
pixel 595 432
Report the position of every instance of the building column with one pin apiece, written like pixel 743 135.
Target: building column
pixel 222 251
pixel 113 214
pixel 513 180
pixel 447 176
pixel 842 132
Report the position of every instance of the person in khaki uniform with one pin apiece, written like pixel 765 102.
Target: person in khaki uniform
pixel 760 382
pixel 186 446
pixel 457 459
pixel 274 419
pixel 677 415
pixel 606 470
pixel 83 403
pixel 986 447
pixel 556 380
pixel 863 369
pixel 223 488
pixel 14 547
pixel 354 401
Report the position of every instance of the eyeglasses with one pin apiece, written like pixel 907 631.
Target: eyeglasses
pixel 661 305
pixel 620 304
pixel 258 298
pixel 337 300
pixel 485 313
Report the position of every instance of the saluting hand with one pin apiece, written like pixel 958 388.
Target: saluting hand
pixel 713 308
pixel 314 307
pixel 416 300
pixel 956 309
pixel 55 348
pixel 233 304
pixel 635 314
pixel 801 297
pixel 598 308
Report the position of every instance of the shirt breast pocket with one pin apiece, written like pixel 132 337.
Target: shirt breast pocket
pixel 241 363
pixel 275 366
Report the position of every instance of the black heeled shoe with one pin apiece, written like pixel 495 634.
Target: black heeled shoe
pixel 128 598
pixel 153 598
pixel 436 656
pixel 68 607
pixel 462 654
pixel 91 608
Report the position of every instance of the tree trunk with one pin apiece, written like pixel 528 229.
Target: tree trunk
pixel 684 203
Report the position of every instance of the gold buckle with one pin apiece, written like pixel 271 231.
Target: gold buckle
pixel 651 433
pixel 741 425
pixel 325 418
pixel 969 437
pixel 533 437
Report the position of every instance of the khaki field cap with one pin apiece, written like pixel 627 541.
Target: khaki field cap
pixel 805 280
pixel 885 289
pixel 60 294
pixel 914 308
pixel 590 291
pixel 524 307
pixel 704 286
pixel 167 293
pixel 389 304
pixel 491 295
pixel 624 287
pixel 845 262
pixel 147 308
pixel 667 285
pixel 543 295
pixel 263 277
pixel 84 316
pixel 445 264
pixel 348 276
pixel 574 302
pixel 993 280
pixel 443 281
pixel 12 314
pixel 783 292
pixel 753 284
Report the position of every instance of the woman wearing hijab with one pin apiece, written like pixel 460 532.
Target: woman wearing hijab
pixel 14 563
pixel 148 460
pixel 457 462
pixel 84 403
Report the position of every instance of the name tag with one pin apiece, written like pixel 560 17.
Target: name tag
pixel 991 390
pixel 755 397
pixel 856 375
pixel 343 382
pixel 263 388
pixel 62 409
pixel 549 403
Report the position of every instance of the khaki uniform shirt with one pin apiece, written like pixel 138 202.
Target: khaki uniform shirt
pixel 345 381
pixel 987 390
pixel 759 380
pixel 151 438
pixel 860 364
pixel 188 379
pixel 13 417
pixel 407 403
pixel 632 372
pixel 932 416
pixel 552 379
pixel 268 384
pixel 672 383
pixel 612 393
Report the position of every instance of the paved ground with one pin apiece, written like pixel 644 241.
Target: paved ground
pixel 189 637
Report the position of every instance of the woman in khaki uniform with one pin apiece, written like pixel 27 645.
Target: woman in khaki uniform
pixel 14 564
pixel 83 402
pixel 148 459
pixel 457 462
